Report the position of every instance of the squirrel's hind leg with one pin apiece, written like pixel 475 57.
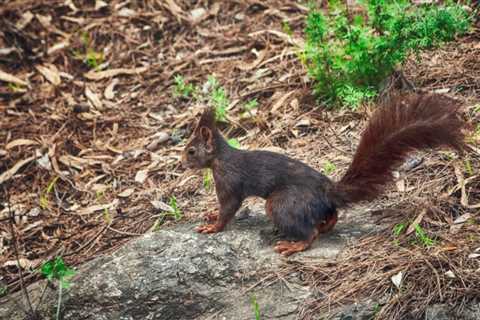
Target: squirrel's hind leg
pixel 287 248
pixel 298 213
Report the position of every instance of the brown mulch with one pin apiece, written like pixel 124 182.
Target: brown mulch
pixel 99 151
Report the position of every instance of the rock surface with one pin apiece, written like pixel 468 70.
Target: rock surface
pixel 179 274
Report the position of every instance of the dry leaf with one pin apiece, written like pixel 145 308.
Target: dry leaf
pixel 160 205
pixel 109 93
pixel 20 142
pixel 463 218
pixel 24 20
pixel 93 75
pixel 100 207
pixel 50 72
pixel 99 4
pixel 417 220
pixel 93 98
pixel 58 46
pixel 397 279
pixel 126 193
pixel 450 274
pixel 279 103
pixel 7 175
pixel 141 176
pixel 10 78
pixel 22 263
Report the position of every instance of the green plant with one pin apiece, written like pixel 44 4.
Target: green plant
pixel 287 29
pixel 88 55
pixel 468 167
pixel 248 107
pixel 57 271
pixel 3 290
pixel 399 228
pixel 44 202
pixel 233 143
pixel 349 57
pixel 422 236
pixel 256 308
pixel 218 99
pixel 176 213
pixel 329 167
pixel 181 88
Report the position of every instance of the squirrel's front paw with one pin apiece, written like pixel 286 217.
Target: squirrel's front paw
pixel 208 228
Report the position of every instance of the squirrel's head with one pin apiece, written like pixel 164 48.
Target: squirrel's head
pixel 200 150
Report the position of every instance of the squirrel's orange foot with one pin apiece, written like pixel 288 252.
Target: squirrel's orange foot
pixel 287 248
pixel 208 228
pixel 211 216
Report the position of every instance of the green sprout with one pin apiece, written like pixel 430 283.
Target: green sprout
pixel 57 271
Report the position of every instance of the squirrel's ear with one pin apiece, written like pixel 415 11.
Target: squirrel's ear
pixel 207 118
pixel 207 137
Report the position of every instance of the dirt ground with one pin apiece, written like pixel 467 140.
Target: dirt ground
pixel 90 150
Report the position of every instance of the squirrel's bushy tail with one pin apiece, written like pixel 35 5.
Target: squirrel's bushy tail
pixel 407 123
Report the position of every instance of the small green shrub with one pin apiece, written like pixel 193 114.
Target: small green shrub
pixel 422 236
pixel 181 88
pixel 3 290
pixel 399 228
pixel 329 167
pixel 218 99
pixel 348 57
pixel 57 271
pixel 176 213
pixel 89 55
pixel 233 143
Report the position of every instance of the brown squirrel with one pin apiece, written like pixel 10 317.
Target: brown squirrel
pixel 301 201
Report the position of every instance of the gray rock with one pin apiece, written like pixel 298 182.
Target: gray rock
pixel 176 273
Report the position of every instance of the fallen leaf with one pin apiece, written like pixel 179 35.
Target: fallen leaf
pixel 44 162
pixel 93 75
pixel 99 4
pixel 7 175
pixel 11 78
pixel 100 207
pixel 279 103
pixel 58 46
pixel 24 20
pixel 197 13
pixel 450 274
pixel 93 98
pixel 20 142
pixel 160 205
pixel 463 218
pixel 141 176
pixel 126 12
pixel 126 193
pixel 417 220
pixel 474 255
pixel 397 279
pixel 109 93
pixel 22 263
pixel 50 72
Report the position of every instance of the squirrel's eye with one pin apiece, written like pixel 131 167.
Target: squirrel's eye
pixel 191 151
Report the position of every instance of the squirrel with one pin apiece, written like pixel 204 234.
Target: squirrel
pixel 303 202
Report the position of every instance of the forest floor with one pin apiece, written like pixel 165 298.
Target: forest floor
pixel 91 129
